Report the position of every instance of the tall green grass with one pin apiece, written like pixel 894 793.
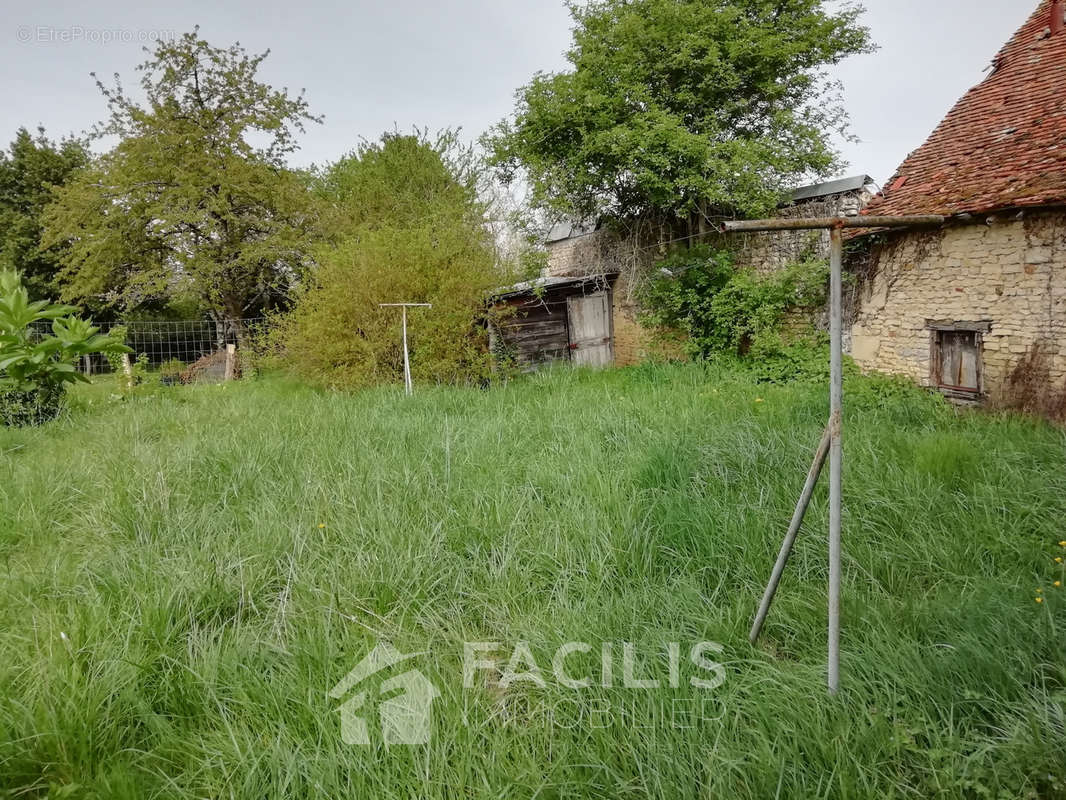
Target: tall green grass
pixel 173 612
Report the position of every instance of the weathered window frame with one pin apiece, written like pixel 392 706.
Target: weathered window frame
pixel 936 330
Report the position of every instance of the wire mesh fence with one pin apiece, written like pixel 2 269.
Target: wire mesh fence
pixel 194 348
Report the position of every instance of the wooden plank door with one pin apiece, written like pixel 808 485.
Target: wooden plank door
pixel 960 361
pixel 590 329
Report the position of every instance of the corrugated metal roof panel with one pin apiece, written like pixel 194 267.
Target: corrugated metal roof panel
pixel 852 184
pixel 568 229
pixel 528 287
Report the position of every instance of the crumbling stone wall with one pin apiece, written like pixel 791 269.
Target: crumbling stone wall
pixel 632 341
pixel 597 253
pixel 771 251
pixel 607 250
pixel 1007 271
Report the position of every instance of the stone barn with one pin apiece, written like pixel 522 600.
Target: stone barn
pixel 977 309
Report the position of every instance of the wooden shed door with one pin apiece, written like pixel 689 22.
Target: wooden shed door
pixel 590 329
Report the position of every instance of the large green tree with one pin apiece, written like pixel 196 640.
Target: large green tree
pixel 406 225
pixel 195 199
pixel 29 170
pixel 676 107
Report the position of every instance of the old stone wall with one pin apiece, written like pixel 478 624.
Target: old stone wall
pixel 597 253
pixel 632 341
pixel 771 251
pixel 606 250
pixel 1008 272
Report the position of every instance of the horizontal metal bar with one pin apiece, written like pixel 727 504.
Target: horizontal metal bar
pixel 833 222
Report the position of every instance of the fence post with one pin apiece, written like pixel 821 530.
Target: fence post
pixel 231 362
pixel 127 370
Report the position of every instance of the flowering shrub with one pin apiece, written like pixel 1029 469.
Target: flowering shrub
pixel 34 369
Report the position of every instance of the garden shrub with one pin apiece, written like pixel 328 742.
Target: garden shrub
pixel 725 311
pixel 35 369
pixel 21 407
pixel 411 229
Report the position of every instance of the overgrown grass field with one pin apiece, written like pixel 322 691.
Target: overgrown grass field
pixel 184 576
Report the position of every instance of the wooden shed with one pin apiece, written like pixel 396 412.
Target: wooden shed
pixel 557 319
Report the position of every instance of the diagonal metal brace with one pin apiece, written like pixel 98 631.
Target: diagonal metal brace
pixel 793 531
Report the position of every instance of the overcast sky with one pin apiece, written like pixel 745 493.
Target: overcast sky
pixel 369 65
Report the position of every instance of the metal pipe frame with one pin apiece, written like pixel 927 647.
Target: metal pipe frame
pixel 836 425
pixel 830 223
pixel 790 538
pixel 831 446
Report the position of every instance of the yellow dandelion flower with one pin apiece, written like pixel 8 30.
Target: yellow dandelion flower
pixel 1062 543
pixel 759 400
pixel 321 525
pixel 1039 591
pixel 1058 560
pixel 1040 599
pixel 1057 584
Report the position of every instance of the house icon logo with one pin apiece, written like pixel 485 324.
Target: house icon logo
pixel 404 702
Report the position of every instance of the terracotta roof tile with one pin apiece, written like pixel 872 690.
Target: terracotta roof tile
pixel 1003 145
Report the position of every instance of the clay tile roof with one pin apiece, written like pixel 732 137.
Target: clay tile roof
pixel 1003 145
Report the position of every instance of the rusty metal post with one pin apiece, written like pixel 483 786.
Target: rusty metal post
pixel 836 419
pixel 790 537
pixel 828 223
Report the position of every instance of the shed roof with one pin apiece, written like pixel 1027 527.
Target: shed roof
pixel 838 186
pixel 1003 145
pixel 568 229
pixel 547 284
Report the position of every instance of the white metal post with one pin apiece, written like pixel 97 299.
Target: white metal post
pixel 406 358
pixel 408 383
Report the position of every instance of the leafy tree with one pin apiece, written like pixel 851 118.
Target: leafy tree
pixel 29 170
pixel 195 199
pixel 407 226
pixel 677 107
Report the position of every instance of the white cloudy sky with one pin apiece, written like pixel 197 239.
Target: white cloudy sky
pixel 369 65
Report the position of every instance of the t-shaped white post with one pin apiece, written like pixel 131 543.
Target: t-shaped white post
pixel 408 384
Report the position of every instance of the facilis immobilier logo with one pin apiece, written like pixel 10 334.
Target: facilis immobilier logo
pixel 404 697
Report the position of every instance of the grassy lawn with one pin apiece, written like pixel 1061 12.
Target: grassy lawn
pixel 185 576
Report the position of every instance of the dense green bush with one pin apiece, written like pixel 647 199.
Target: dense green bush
pixel 409 227
pixel 35 369
pixel 723 310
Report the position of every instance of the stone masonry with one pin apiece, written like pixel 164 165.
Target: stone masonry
pixel 1007 271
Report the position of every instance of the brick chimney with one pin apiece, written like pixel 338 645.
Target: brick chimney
pixel 1058 17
